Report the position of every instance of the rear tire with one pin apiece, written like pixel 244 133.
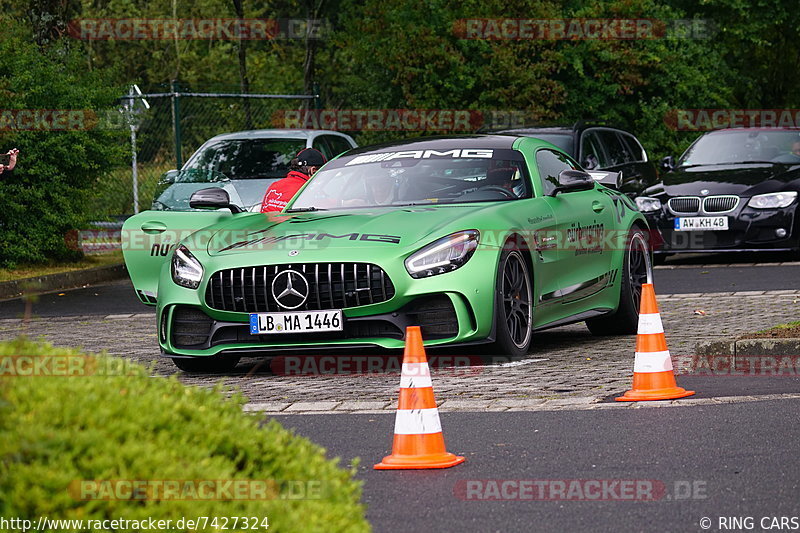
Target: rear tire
pixel 513 318
pixel 636 270
pixel 213 364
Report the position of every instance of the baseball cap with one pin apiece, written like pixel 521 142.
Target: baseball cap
pixel 309 157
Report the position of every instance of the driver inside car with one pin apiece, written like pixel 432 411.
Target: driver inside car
pixel 379 188
pixel 506 178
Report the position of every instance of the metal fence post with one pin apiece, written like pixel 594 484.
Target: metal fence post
pixel 176 123
pixel 134 163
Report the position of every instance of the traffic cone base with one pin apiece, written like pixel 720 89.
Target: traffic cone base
pixel 419 462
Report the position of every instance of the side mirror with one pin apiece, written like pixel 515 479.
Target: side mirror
pixel 612 180
pixel 573 180
pixel 213 198
pixel 590 162
pixel 668 163
pixel 169 176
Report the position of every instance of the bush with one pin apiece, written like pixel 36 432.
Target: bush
pixel 57 430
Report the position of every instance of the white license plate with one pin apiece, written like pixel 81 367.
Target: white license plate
pixel 296 322
pixel 701 223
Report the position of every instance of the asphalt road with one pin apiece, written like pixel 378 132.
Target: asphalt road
pixel 740 460
pixel 679 277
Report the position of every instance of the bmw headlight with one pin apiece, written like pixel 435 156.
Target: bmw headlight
pixel 444 255
pixel 773 200
pixel 648 205
pixel 186 269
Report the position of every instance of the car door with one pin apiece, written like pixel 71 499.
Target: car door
pixel 338 145
pixel 619 158
pixel 149 238
pixel 320 143
pixel 582 220
pixel 643 172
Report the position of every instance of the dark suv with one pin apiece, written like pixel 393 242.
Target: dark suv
pixel 598 147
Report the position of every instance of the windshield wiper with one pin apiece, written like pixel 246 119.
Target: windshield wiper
pixel 749 162
pixel 304 209
pixel 727 163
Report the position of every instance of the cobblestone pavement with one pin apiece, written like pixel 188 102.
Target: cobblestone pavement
pixel 566 366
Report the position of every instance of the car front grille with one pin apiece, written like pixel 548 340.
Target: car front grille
pixel 720 204
pixel 688 205
pixel 330 286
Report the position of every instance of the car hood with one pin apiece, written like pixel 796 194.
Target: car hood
pixel 324 230
pixel 741 180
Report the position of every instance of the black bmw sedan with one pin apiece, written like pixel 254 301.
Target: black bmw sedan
pixel 732 190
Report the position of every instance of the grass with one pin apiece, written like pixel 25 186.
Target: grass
pixel 790 330
pixel 32 271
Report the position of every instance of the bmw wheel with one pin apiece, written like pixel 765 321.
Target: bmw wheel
pixel 514 309
pixel 636 270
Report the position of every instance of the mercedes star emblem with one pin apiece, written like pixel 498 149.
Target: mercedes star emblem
pixel 290 289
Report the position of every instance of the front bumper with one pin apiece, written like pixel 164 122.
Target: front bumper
pixel 452 308
pixel 748 230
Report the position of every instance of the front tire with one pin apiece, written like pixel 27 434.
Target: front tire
pixel 513 318
pixel 214 364
pixel 636 270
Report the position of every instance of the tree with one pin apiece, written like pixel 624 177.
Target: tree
pixel 43 200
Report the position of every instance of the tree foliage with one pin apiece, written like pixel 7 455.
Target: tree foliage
pixel 43 199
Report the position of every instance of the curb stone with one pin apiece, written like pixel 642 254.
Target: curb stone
pixel 734 347
pixel 62 280
pixel 579 403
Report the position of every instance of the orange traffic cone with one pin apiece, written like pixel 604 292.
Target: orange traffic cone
pixel 653 378
pixel 418 440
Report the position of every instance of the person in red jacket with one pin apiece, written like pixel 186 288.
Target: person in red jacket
pixel 303 167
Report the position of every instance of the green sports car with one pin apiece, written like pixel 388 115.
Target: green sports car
pixel 479 239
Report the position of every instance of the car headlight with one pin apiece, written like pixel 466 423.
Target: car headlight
pixel 773 200
pixel 648 205
pixel 444 255
pixel 186 269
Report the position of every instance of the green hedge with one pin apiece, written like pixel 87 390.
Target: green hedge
pixel 121 424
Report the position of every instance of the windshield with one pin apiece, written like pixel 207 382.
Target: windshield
pixel 745 146
pixel 416 177
pixel 247 158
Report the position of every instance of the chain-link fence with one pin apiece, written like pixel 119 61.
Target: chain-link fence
pixel 166 128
